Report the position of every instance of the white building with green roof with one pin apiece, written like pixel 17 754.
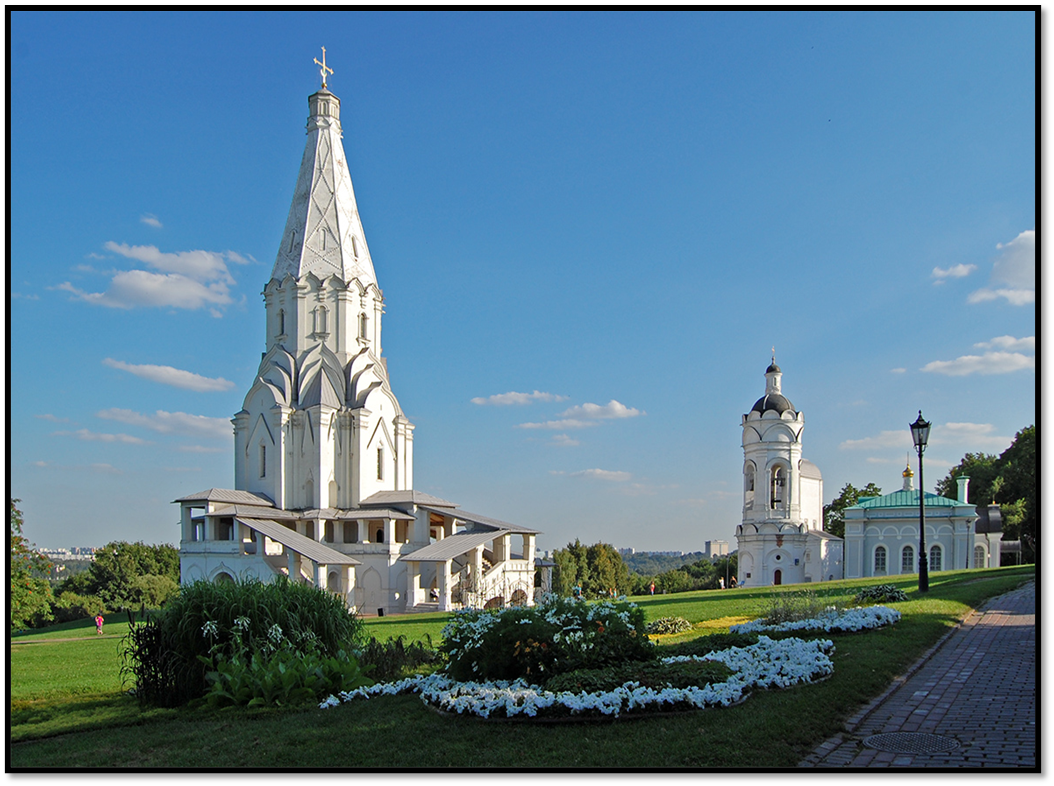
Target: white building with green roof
pixel 882 533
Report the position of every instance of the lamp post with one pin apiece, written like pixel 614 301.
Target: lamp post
pixel 920 435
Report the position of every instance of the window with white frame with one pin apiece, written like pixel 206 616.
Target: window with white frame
pixel 880 561
pixel 978 556
pixel 935 558
pixel 907 560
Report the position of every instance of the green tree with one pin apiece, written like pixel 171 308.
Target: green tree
pixel 128 575
pixel 1008 480
pixel 30 595
pixel 607 571
pixel 834 513
pixel 981 468
pixel 1017 484
pixel 597 569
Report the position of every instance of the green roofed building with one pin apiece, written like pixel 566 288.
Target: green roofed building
pixel 882 533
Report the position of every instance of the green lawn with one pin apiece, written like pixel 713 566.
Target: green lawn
pixel 85 703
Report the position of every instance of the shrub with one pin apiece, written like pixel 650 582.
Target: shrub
pixel 882 593
pixel 275 671
pixel 392 660
pixel 712 643
pixel 535 642
pixel 667 625
pixel 794 606
pixel 168 656
pixel 649 674
pixel 71 606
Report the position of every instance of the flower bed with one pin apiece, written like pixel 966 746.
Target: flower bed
pixel 767 664
pixel 536 642
pixel 830 621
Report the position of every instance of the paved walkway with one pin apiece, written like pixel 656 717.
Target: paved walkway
pixel 976 687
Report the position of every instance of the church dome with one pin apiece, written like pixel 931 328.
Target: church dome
pixel 773 401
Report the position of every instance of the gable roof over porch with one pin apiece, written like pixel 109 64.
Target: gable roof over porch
pixel 301 544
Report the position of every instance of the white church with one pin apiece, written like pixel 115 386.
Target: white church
pixel 781 538
pixel 323 454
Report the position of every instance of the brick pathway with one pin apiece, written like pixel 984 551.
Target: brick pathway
pixel 976 686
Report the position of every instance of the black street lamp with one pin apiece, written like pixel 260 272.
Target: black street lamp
pixel 920 435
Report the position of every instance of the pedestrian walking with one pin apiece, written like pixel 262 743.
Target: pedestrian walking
pixel 98 624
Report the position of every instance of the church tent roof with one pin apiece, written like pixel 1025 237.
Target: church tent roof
pixel 301 544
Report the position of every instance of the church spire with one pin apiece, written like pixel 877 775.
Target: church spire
pixel 323 233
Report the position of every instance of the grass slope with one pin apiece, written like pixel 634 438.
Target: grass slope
pixel 770 729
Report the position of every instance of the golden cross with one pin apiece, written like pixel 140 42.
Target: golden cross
pixel 325 68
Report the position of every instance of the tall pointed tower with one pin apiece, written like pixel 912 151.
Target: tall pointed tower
pixel 323 455
pixel 780 539
pixel 321 427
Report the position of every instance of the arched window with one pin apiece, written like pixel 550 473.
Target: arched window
pixel 354 247
pixel 263 461
pixel 935 559
pixel 281 322
pixel 748 485
pixel 978 556
pixel 362 326
pixel 380 463
pixel 907 560
pixel 779 480
pixel 328 535
pixel 320 319
pixel 351 532
pixel 880 561
pixel 380 536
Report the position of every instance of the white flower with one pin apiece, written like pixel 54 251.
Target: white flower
pixel 210 628
pixel 766 664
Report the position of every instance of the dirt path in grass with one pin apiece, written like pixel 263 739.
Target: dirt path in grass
pixel 72 638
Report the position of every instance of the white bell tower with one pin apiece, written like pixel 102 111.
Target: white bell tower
pixel 780 490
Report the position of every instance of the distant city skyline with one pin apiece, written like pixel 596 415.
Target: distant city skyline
pixel 590 230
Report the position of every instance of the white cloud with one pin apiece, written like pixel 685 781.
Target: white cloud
pixel 105 469
pixel 132 288
pixel 611 410
pixel 167 375
pixel 93 436
pixel 988 363
pixel 1009 343
pixel 187 279
pixel 564 441
pixel 505 399
pixel 93 255
pixel 1013 273
pixel 557 425
pixel 955 271
pixel 49 417
pixel 172 422
pixel 151 220
pixel 198 265
pixel 978 436
pixel 602 474
pixel 19 295
pixel 897 370
pixel 586 415
pixel 887 439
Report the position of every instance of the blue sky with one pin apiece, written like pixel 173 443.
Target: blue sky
pixel 613 215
